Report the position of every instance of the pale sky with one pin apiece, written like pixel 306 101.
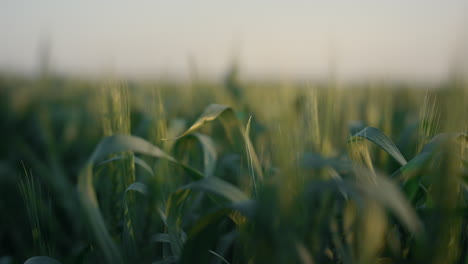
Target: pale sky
pixel 402 39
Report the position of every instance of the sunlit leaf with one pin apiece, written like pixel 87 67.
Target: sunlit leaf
pixel 230 121
pixel 211 113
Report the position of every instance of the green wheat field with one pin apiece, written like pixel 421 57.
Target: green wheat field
pixel 108 171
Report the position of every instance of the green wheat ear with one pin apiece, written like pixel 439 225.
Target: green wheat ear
pixel 429 118
pixel 37 213
pixel 116 120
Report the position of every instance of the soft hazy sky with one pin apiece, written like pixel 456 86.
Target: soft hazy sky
pixel 402 39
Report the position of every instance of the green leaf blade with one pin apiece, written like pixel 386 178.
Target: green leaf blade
pixel 381 140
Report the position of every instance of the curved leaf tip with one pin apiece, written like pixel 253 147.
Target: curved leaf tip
pixel 41 260
pixel 382 141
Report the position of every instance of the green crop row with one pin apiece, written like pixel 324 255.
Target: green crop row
pixel 127 173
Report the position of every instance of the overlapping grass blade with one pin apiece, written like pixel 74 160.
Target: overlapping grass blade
pixel 123 143
pixel 420 160
pixel 248 148
pixel 445 138
pixel 230 121
pixel 129 244
pixel 174 209
pixel 110 145
pixel 137 161
pixel 207 230
pixel 208 148
pixel 382 190
pixel 381 140
pixel 203 237
pixel 234 201
pixel 209 153
pixel 388 194
pixel 211 112
pixel 218 187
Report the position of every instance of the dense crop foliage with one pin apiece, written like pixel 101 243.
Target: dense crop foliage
pixel 236 173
